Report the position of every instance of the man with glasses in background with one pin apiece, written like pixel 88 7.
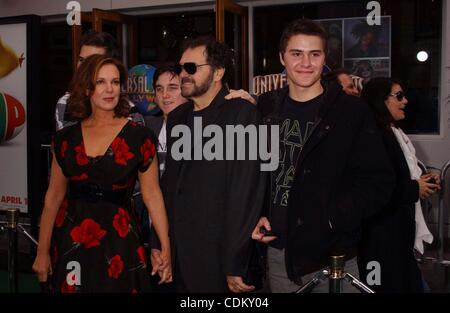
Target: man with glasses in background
pixel 91 43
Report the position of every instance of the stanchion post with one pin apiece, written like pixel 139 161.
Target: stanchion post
pixel 441 214
pixel 12 219
pixel 337 274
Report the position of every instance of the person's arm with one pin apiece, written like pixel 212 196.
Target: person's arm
pixel 54 197
pixel 245 194
pixel 241 93
pixel 153 200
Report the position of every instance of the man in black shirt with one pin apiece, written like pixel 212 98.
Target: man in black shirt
pixel 333 169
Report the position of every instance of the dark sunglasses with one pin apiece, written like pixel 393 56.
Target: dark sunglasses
pixel 189 67
pixel 399 95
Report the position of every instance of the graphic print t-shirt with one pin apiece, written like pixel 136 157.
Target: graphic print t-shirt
pixel 162 148
pixel 297 121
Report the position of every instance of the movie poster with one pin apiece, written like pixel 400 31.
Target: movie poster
pixel 13 116
pixel 367 48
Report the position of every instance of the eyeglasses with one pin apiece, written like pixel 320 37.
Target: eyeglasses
pixel 399 95
pixel 189 67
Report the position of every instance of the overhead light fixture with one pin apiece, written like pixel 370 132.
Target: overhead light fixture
pixel 422 56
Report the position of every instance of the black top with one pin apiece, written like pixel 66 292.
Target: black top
pixel 297 120
pixel 96 225
pixel 343 175
pixel 212 206
pixel 388 237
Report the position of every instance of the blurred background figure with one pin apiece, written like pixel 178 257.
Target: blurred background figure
pixel 91 43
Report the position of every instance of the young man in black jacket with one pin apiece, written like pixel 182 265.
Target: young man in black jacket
pixel 333 169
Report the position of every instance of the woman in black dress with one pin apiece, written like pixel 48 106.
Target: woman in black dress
pixel 89 237
pixel 390 237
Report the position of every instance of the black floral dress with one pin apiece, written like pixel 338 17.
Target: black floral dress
pixel 96 226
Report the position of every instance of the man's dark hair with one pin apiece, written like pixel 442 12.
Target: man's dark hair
pixel 333 75
pixel 303 27
pixel 375 92
pixel 165 68
pixel 101 40
pixel 219 55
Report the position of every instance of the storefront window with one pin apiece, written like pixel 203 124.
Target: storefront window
pixel 160 37
pixel 407 28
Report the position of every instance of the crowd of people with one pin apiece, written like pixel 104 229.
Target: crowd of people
pixel 346 183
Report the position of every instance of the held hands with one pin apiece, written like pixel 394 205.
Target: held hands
pixel 241 93
pixel 237 285
pixel 428 184
pixel 42 266
pixel 161 264
pixel 260 236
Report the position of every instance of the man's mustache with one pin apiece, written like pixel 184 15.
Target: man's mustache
pixel 187 80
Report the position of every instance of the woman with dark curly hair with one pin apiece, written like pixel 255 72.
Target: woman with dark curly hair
pixel 390 237
pixel 88 225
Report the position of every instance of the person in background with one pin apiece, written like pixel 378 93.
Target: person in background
pixel 91 43
pixel 343 77
pixel 391 236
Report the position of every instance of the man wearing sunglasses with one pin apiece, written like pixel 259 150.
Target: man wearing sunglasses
pixel 212 205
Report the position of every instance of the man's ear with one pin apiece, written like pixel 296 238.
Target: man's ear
pixel 218 74
pixel 281 59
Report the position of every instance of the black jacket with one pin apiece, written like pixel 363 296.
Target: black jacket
pixel 342 176
pixel 212 206
pixel 155 123
pixel 388 237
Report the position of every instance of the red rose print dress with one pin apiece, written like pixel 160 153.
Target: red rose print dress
pixel 95 225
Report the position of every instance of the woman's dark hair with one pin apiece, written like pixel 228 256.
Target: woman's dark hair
pixel 83 83
pixel 375 93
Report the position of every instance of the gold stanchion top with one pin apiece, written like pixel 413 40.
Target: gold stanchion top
pixel 12 218
pixel 337 266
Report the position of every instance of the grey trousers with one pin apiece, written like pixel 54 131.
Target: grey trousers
pixel 280 283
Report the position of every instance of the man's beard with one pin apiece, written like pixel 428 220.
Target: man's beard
pixel 197 90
